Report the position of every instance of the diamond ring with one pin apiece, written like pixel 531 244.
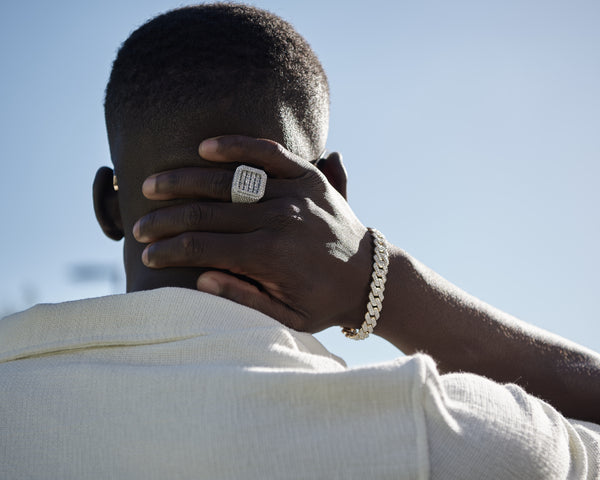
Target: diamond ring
pixel 248 185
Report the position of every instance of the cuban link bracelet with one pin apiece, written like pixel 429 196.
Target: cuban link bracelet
pixel 380 268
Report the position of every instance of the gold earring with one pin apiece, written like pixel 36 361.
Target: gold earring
pixel 115 183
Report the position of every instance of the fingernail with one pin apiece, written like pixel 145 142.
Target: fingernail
pixel 136 230
pixel 208 146
pixel 149 186
pixel 208 284
pixel 145 259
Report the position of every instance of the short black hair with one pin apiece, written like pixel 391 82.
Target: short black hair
pixel 228 55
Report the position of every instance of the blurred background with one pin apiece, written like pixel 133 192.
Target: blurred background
pixel 470 130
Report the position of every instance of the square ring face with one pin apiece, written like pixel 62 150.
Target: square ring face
pixel 248 185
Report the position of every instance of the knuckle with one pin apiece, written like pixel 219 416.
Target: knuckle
pixel 148 224
pixel 167 182
pixel 218 185
pixel 269 151
pixel 285 215
pixel 231 141
pixel 315 181
pixel 233 145
pixel 191 245
pixel 193 215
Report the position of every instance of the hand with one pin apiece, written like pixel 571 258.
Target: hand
pixel 302 244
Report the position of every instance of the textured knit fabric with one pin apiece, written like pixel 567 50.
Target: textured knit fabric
pixel 178 384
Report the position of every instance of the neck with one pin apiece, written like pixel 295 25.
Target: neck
pixel 140 153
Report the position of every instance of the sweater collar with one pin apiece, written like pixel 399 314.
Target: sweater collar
pixel 142 318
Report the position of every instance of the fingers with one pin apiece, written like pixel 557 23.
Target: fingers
pixel 193 249
pixel 266 154
pixel 236 290
pixel 198 217
pixel 198 182
pixel 335 172
pixel 215 183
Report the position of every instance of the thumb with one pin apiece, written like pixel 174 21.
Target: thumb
pixel 232 288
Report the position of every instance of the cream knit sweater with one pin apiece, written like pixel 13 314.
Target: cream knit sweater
pixel 176 384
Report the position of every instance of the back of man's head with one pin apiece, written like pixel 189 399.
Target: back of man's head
pixel 194 73
pixel 241 64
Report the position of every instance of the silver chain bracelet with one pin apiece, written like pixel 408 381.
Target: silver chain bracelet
pixel 375 305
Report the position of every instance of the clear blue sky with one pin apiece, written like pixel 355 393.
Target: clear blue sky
pixel 470 131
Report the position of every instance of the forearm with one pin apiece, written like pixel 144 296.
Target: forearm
pixel 424 312
pixel 311 255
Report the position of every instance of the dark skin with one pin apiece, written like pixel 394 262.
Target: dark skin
pixel 310 260
pixel 145 151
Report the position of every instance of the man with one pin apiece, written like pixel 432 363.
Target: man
pixel 175 383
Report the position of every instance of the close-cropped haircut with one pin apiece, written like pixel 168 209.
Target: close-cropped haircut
pixel 228 56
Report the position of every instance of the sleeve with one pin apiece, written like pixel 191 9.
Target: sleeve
pixel 477 428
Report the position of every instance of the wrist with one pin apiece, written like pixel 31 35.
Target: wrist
pixel 394 322
pixel 353 296
pixel 374 305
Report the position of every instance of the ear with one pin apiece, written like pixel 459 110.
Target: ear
pixel 335 172
pixel 106 204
